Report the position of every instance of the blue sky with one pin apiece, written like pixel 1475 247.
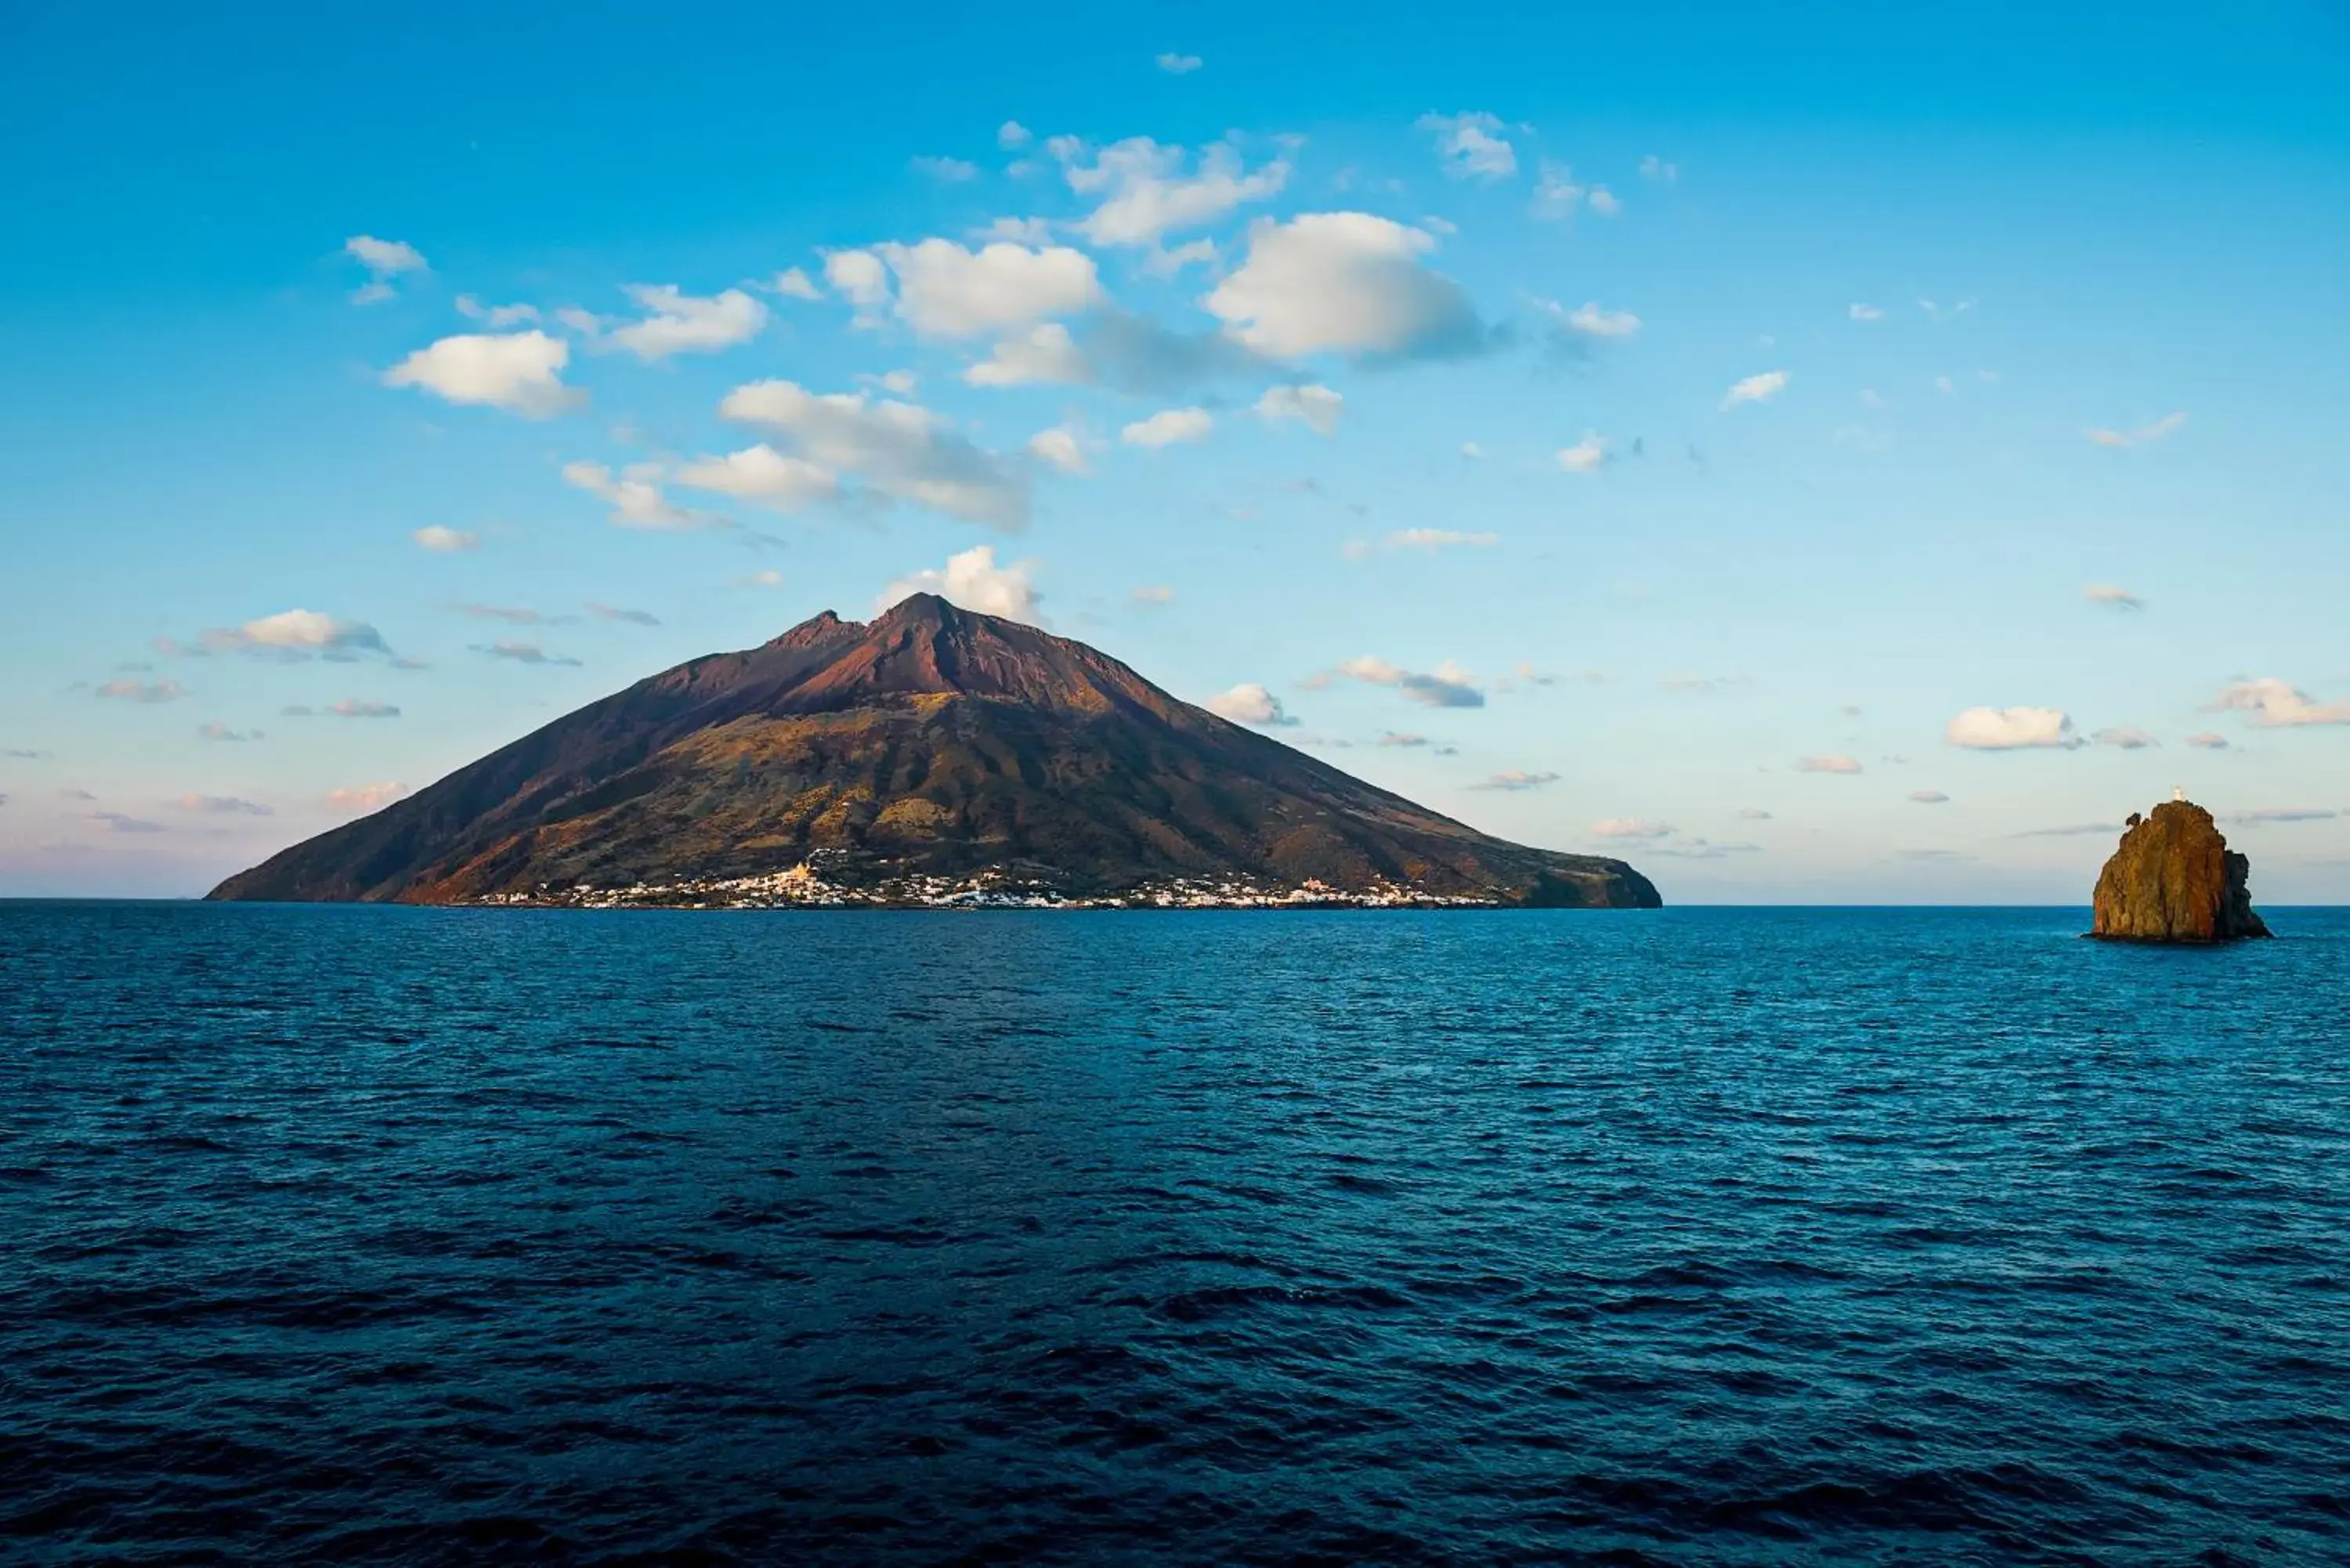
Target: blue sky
pixel 1657 433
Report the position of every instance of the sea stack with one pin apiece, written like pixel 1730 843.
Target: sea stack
pixel 2174 879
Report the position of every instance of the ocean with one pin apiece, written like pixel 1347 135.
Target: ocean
pixel 1697 1236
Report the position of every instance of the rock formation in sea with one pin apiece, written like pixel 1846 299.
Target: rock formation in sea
pixel 2174 879
pixel 936 750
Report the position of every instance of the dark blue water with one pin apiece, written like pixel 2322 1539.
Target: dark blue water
pixel 1705 1236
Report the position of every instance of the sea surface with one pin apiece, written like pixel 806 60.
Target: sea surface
pixel 349 1235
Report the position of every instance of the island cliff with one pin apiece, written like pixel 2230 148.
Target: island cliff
pixel 2174 879
pixel 934 756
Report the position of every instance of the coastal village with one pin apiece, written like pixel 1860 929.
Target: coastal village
pixel 804 887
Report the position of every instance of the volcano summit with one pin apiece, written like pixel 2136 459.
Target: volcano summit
pixel 932 756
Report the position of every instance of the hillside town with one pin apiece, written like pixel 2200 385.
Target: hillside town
pixel 804 886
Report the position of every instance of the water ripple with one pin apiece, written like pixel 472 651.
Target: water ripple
pixel 1705 1237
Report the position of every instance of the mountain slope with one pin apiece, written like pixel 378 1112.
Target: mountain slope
pixel 933 740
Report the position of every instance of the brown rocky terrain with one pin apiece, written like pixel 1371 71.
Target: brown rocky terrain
pixel 933 741
pixel 2174 879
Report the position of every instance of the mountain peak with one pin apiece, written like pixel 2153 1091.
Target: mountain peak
pixel 923 607
pixel 820 627
pixel 935 742
pixel 925 645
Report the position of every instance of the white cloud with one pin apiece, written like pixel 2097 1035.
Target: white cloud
pixel 1759 388
pixel 636 497
pixel 947 291
pixel 299 634
pixel 680 323
pixel 2206 740
pixel 2106 594
pixel 1153 594
pixel 794 282
pixel 859 277
pixel 144 692
pixel 218 731
pixel 518 371
pixel 362 798
pixel 1588 455
pixel 2124 738
pixel 1168 262
pixel 974 581
pixel 446 541
pixel 1343 283
pixel 1019 231
pixel 1149 196
pixel 1655 167
pixel 1316 404
pixel 221 805
pixel 521 652
pixel 119 822
pixel 1062 446
pixel 953 170
pixel 1705 849
pixel 901 383
pixel 1592 321
pixel 385 258
pixel 767 578
pixel 1930 797
pixel 1133 354
pixel 1830 763
pixel 1470 451
pixel 1176 65
pixel 2282 814
pixel 1754 814
pixel 473 310
pixel 1633 827
pixel 1436 539
pixel 762 476
pixel 1555 192
pixel 899 450
pixel 1866 313
pixel 1012 134
pixel 1169 426
pixel 2140 436
pixel 1515 779
pixel 1448 686
pixel 2275 703
pixel 1470 146
pixel 1603 202
pixel 359 708
pixel 1045 356
pixel 2011 729
pixel 1250 703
